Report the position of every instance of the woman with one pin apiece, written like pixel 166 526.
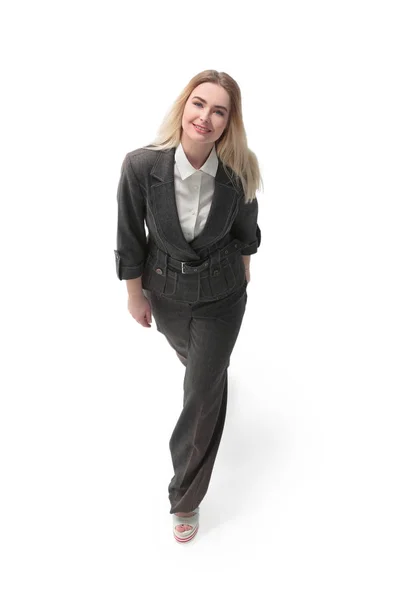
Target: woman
pixel 195 188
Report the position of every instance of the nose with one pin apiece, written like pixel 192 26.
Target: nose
pixel 205 119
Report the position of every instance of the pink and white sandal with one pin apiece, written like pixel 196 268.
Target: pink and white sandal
pixel 185 528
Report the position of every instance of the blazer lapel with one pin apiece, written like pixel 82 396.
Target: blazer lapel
pixel 163 203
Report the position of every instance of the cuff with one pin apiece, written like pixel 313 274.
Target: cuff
pixel 250 249
pixel 127 272
pixel 253 247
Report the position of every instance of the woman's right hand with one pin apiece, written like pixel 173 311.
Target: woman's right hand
pixel 140 309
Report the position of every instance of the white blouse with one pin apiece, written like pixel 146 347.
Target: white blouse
pixel 194 190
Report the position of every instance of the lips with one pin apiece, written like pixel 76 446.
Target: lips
pixel 201 128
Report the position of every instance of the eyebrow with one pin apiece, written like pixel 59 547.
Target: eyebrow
pixel 205 102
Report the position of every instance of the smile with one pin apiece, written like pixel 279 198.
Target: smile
pixel 200 129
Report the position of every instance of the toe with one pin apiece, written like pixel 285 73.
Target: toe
pixel 183 528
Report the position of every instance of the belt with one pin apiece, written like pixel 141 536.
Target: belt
pixel 187 267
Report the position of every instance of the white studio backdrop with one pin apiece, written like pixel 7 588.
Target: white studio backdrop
pixel 304 495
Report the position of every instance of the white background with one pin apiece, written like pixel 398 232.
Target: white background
pixel 304 497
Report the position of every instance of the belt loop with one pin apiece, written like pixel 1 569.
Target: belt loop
pixel 162 260
pixel 214 257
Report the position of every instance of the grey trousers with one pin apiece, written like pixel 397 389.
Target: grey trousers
pixel 203 334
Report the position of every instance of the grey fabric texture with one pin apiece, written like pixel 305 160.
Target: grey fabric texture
pixel 198 295
pixel 203 334
pixel 146 199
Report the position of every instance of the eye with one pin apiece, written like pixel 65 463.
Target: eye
pixel 218 111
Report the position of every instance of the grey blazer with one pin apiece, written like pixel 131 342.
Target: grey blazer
pixel 146 196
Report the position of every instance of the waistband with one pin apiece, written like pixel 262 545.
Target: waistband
pixel 188 267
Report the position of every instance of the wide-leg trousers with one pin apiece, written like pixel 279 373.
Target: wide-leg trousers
pixel 203 334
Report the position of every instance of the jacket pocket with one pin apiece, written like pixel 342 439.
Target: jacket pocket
pixel 157 279
pixel 220 280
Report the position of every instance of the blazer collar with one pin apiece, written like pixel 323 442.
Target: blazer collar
pixel 163 169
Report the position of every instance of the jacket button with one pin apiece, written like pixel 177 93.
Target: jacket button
pixel 235 245
pixel 159 271
pixel 226 251
pixel 216 271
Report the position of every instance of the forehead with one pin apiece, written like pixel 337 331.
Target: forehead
pixel 212 93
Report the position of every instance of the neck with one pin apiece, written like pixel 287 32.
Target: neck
pixel 196 154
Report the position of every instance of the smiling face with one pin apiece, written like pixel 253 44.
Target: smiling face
pixel 208 106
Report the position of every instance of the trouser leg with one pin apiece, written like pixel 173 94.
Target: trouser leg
pixel 173 320
pixel 196 437
pixel 205 335
pixel 194 458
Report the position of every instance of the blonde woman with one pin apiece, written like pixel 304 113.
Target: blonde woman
pixel 195 189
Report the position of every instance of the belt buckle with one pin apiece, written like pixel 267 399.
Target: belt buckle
pixel 183 264
pixel 198 268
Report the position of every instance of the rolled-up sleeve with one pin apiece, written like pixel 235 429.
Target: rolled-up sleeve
pixel 245 227
pixel 130 252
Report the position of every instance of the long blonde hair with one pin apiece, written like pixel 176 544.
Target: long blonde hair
pixel 231 147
